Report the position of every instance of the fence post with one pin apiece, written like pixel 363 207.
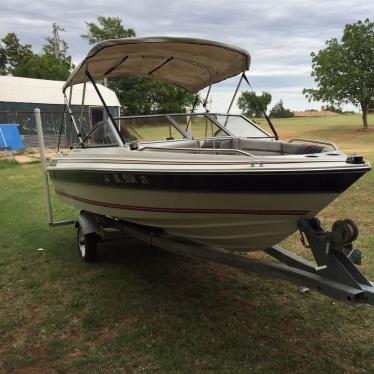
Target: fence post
pixel 47 195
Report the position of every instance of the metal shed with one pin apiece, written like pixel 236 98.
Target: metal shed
pixel 20 96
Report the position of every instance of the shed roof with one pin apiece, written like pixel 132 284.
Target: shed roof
pixel 41 91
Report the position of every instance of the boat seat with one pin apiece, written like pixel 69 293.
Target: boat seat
pixel 260 147
pixel 303 148
pixel 232 143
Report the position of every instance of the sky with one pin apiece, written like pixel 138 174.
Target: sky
pixel 279 35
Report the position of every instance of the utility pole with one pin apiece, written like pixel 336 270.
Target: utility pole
pixel 56 39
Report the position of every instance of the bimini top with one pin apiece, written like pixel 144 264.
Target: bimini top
pixel 189 63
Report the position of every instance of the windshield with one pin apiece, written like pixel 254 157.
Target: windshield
pixel 148 128
pixel 239 126
pixel 198 126
pixel 100 135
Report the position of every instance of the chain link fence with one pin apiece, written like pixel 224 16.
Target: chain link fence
pixel 56 124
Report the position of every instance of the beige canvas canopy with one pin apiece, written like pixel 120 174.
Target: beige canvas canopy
pixel 189 63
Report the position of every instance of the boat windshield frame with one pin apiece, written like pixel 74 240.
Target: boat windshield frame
pixel 120 141
pixel 115 138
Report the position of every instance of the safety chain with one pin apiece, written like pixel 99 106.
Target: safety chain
pixel 304 240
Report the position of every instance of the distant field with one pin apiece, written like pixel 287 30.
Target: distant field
pixel 345 130
pixel 141 310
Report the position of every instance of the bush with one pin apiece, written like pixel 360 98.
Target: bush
pixel 332 108
pixel 279 111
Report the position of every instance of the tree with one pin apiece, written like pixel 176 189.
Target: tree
pixel 335 109
pixel 3 61
pixel 63 64
pixel 107 28
pixel 253 105
pixel 19 60
pixel 42 67
pixel 63 56
pixel 279 111
pixel 146 96
pixel 344 70
pixel 138 95
pixel 14 51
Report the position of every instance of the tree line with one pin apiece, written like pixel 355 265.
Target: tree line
pixel 253 105
pixel 136 95
pixel 343 72
pixel 20 60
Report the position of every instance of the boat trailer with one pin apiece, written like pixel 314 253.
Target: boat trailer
pixel 333 273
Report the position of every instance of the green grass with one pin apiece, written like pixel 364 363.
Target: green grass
pixel 8 163
pixel 146 311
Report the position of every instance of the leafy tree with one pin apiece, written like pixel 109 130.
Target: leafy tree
pixel 3 61
pixel 15 52
pixel 19 60
pixel 42 67
pixel 335 109
pixel 107 28
pixel 344 70
pixel 279 111
pixel 146 96
pixel 63 56
pixel 253 105
pixel 138 95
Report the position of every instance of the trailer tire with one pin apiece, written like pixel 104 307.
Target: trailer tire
pixel 87 245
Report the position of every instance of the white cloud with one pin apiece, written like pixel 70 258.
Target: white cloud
pixel 280 35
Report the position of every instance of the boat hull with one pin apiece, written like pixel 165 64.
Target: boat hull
pixel 223 201
pixel 243 221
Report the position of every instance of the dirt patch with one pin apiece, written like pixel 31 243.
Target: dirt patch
pixel 29 155
pixel 42 366
pixel 5 154
pixel 71 356
pixel 22 159
pixel 111 333
pixel 360 131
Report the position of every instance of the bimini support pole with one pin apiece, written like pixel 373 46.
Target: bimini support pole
pixel 47 194
pixel 235 93
pixel 111 121
pixel 205 102
pixel 233 98
pixel 276 136
pixel 82 105
pixel 72 118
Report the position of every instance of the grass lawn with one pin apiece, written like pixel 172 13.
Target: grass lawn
pixel 146 311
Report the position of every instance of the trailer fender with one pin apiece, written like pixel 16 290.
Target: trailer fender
pixel 88 224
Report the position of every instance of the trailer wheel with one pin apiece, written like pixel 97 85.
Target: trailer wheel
pixel 87 245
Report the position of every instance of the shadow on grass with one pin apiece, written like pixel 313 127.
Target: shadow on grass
pixel 175 313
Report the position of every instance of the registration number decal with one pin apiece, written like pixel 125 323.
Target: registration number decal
pixel 125 178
